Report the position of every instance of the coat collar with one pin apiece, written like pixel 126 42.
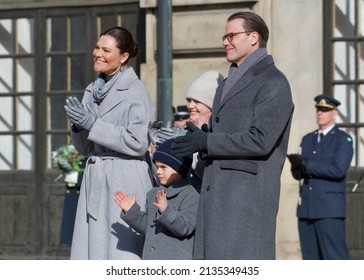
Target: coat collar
pixel 323 139
pixel 244 82
pixel 176 187
pixel 118 92
pixel 331 132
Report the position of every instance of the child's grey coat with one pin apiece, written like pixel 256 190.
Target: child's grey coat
pixel 168 236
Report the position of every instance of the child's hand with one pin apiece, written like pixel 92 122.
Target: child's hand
pixel 201 120
pixel 125 202
pixel 161 201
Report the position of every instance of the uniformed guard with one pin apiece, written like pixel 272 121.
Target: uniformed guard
pixel 321 167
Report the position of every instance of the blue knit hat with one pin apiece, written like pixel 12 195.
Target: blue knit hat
pixel 165 155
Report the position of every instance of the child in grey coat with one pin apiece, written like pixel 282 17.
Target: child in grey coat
pixel 168 223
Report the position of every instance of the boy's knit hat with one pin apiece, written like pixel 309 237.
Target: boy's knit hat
pixel 204 87
pixel 165 155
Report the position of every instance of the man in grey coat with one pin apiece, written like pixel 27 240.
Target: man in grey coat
pixel 244 150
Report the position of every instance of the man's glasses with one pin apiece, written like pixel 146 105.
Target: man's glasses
pixel 230 36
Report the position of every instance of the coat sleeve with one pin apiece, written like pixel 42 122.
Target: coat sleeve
pixel 136 218
pixel 80 141
pixel 181 222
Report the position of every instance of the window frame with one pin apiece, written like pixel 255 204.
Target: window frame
pixel 328 65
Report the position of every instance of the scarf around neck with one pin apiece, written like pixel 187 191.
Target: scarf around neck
pixel 235 72
pixel 102 85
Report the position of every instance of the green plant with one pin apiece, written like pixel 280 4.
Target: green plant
pixel 67 159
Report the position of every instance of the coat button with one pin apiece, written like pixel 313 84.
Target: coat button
pixel 310 188
pixel 208 188
pixel 217 119
pixel 152 249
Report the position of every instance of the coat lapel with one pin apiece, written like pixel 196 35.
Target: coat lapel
pixel 244 81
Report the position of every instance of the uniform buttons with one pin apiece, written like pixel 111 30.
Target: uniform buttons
pixel 217 119
pixel 314 152
pixel 208 188
pixel 310 188
pixel 152 249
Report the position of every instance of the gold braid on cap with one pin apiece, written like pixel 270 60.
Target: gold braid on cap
pixel 323 103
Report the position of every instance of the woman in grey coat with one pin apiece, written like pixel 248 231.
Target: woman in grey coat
pixel 111 128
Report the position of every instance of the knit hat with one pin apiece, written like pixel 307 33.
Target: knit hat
pixel 204 87
pixel 165 155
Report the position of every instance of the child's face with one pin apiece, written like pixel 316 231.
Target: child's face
pixel 166 174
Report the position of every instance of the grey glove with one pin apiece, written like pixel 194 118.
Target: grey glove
pixel 166 133
pixel 153 128
pixel 194 141
pixel 82 117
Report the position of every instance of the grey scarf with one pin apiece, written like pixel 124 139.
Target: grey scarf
pixel 235 72
pixel 102 86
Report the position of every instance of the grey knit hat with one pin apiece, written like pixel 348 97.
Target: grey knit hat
pixel 204 87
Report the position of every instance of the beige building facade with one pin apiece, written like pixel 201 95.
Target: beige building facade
pixel 296 43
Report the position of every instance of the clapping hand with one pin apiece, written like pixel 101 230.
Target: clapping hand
pixel 153 128
pixel 194 141
pixel 201 120
pixel 161 201
pixel 83 117
pixel 165 133
pixel 159 133
pixel 125 202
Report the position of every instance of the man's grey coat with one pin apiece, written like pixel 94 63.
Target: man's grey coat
pixel 246 153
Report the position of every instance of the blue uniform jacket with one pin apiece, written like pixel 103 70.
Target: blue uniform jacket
pixel 322 193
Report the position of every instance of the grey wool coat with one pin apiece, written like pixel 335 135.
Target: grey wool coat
pixel 168 236
pixel 116 147
pixel 246 153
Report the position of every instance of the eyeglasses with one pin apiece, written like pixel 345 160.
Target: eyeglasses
pixel 230 36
